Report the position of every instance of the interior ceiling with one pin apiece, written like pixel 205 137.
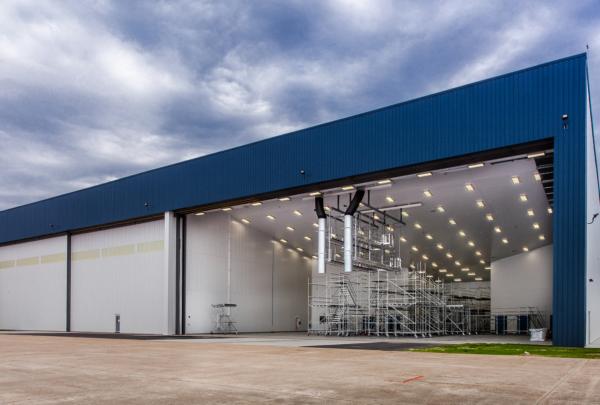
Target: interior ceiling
pixel 492 184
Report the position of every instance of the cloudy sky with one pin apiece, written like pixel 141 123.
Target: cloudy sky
pixel 91 91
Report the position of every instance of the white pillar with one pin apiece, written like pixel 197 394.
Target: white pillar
pixel 169 271
pixel 347 243
pixel 321 257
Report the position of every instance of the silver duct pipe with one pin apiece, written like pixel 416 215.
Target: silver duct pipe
pixel 321 246
pixel 347 243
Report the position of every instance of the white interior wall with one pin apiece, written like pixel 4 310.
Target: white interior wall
pixel 523 280
pixel 267 282
pixel 593 242
pixel 118 271
pixel 33 285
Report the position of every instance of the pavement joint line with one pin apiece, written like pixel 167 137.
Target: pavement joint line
pixel 574 369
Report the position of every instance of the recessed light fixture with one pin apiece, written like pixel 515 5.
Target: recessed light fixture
pixel 426 174
pixel 530 212
pixel 404 213
pixel 315 193
pixel 386 181
pixel 471 274
pixel 289 228
pixel 300 249
pixel 297 213
pixel 441 208
pixel 537 176
pixel 284 199
pixel 439 246
pixel 199 213
pixel 348 188
pixel 525 249
pixel 471 243
pixel 488 267
pixel 427 193
pixel 244 220
pixel 541 237
pixel 389 199
pixel 412 266
pixel 428 236
pixel 537 154
pixel 291 250
pixel 475 165
pixel 549 210
pixel 458 280
pixel 402 239
pixel 442 270
pixel 226 209
pixel 489 217
pixel 282 240
pixel 315 225
pixel 449 255
pixel 456 262
pixel 271 217
pixel 462 233
pixel 523 197
pixel 469 187
pixel 425 257
pixel 478 279
pixel 477 253
pixel 308 238
pixel 482 261
pixel 504 240
pixel 327 208
pixel 334 236
pixel 314 257
pixel 376 217
pixel 497 229
pixel 452 221
pixel 449 275
pixel 429 276
pixel 434 264
pixel 256 204
pixel 465 269
pixel 536 225
pixel 480 203
pixel 516 180
pixel 415 249
pixel 418 225
pixel 389 229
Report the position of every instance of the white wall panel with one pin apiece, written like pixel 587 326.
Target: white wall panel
pixel 267 282
pixel 523 280
pixel 119 271
pixel 33 279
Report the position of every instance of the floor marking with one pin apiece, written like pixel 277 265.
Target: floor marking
pixel 419 377
pixel 573 370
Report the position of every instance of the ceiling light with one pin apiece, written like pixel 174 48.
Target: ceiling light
pixel 549 210
pixel 541 237
pixel 471 274
pixel 452 221
pixel 199 213
pixel 256 204
pixel 415 249
pixel 523 197
pixel 525 249
pixel 429 276
pixel 227 209
pixel 477 253
pixel 428 236
pixel 412 266
pixel 334 236
pixel 480 203
pixel 536 225
pixel 244 220
pixel 439 246
pixel 462 233
pixel 537 176
pixel 402 239
pixel 314 257
pixel 327 208
pixel 478 279
pixel 389 199
pixel 469 187
pixel 504 240
pixel 465 269
pixel 291 250
pixel 497 229
pixel 308 238
pixel 427 193
pixel 315 193
pixel 404 213
pixel 449 275
pixel 271 217
pixel 516 180
pixel 298 213
pixel 282 240
pixel 488 267
pixel 418 225
pixel 284 199
pixel 389 229
pixel 537 154
pixel 434 264
pixel 441 209
pixel 475 166
pixel 386 181
pixel 300 249
pixel 348 188
pixel 289 228
pixel 449 255
pixel 489 217
pixel 425 257
pixel 482 261
pixel 530 212
pixel 376 217
pixel 315 225
pixel 456 262
pixel 471 243
pixel 338 255
pixel 426 174
pixel 442 270
pixel 458 280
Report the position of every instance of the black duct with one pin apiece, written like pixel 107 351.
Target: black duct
pixel 320 208
pixel 358 196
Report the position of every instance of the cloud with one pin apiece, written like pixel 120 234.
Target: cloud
pixel 97 90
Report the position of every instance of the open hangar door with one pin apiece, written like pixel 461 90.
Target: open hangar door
pixel 460 250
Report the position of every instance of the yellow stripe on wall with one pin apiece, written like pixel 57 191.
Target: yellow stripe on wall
pixel 153 246
pixel 55 258
pixel 118 251
pixel 86 255
pixel 7 264
pixel 28 261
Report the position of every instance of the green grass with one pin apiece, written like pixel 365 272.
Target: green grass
pixel 516 350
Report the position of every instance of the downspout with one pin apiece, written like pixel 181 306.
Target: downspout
pixel 321 215
pixel 348 215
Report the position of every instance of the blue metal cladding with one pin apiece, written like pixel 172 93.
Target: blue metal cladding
pixel 512 109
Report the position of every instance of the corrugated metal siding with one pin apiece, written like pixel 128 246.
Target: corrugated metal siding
pixel 517 108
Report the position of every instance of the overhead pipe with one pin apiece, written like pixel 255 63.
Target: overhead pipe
pixel 348 215
pixel 321 215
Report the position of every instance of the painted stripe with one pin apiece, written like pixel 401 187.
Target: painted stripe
pixel 6 264
pixel 118 251
pixel 86 255
pixel 153 246
pixel 28 261
pixel 55 258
